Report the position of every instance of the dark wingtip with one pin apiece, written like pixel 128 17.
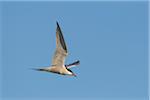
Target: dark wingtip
pixel 78 61
pixel 57 24
pixel 62 41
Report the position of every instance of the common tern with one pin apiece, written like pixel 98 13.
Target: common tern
pixel 58 65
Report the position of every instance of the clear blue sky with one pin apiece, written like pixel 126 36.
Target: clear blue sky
pixel 109 38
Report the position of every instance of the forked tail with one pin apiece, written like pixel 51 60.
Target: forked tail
pixel 38 69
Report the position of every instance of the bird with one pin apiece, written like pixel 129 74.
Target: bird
pixel 58 65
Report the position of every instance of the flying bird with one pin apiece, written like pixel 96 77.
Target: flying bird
pixel 58 62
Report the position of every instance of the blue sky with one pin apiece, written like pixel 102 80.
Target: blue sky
pixel 109 38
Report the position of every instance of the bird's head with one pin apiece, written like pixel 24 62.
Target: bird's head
pixel 72 74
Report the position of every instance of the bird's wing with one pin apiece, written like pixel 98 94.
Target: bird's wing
pixel 72 64
pixel 61 49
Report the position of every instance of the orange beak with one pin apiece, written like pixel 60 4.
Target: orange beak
pixel 74 75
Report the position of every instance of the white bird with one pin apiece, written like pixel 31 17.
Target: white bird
pixel 58 62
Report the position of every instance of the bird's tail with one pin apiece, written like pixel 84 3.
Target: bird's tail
pixel 73 64
pixel 37 69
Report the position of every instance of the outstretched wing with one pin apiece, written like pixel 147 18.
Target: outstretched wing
pixel 72 64
pixel 61 49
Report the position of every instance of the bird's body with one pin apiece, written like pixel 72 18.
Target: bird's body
pixel 56 69
pixel 58 62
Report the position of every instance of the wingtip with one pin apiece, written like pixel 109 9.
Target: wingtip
pixel 57 23
pixel 78 61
